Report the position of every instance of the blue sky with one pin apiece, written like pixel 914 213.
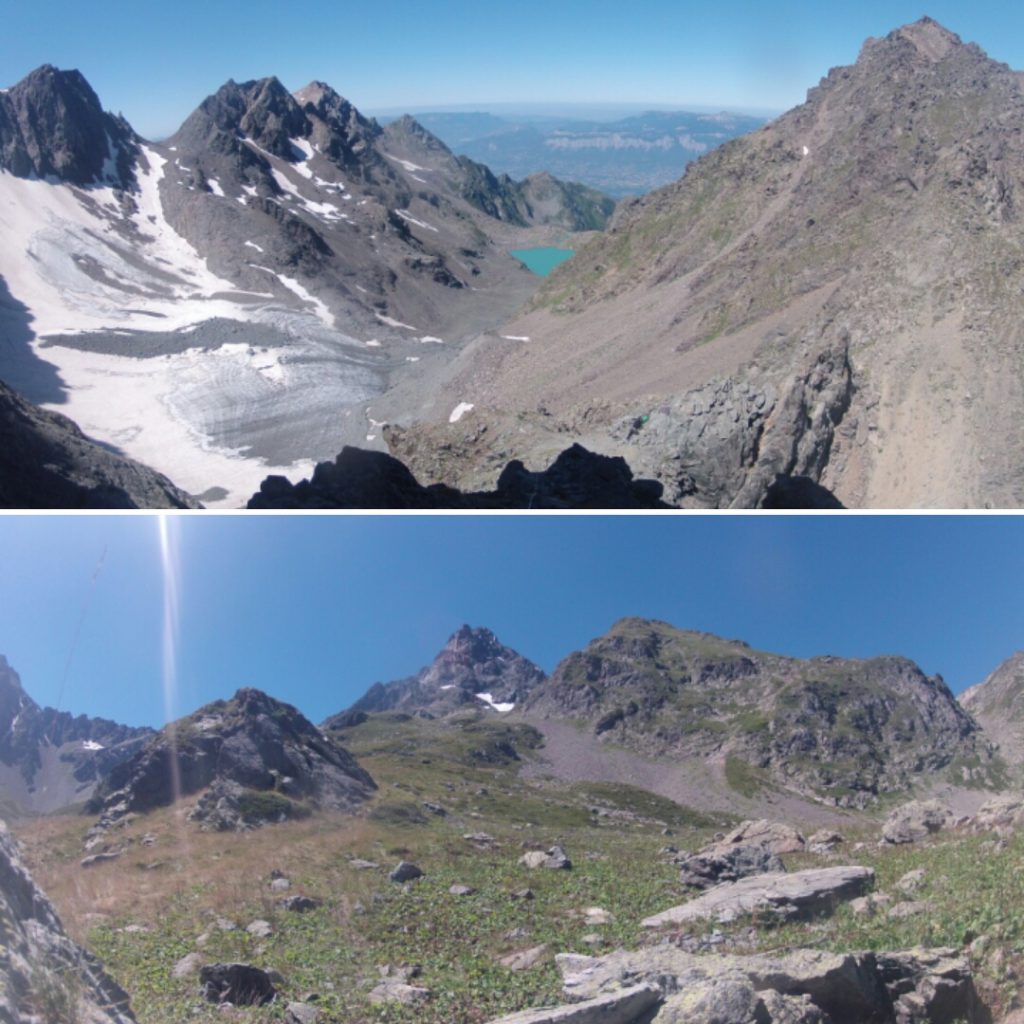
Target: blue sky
pixel 155 61
pixel 316 609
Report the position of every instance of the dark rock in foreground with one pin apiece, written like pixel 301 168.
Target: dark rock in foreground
pixel 365 479
pixel 44 976
pixel 47 462
pixel 238 984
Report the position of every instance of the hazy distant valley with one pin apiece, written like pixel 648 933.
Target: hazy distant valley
pixel 483 837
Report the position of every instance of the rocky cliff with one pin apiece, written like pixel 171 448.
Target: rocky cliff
pixel 997 704
pixel 841 730
pixel 44 976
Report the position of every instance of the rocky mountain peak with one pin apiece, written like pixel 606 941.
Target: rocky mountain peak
pixel 259 757
pixel 929 40
pixel 473 669
pixel 53 126
pixel 409 131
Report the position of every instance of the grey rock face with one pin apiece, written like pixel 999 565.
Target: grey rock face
pixel 997 704
pixel 52 126
pixel 263 758
pixel 798 896
pixel 837 730
pixel 627 1006
pixel 43 974
pixel 47 462
pixel 368 479
pixel 239 984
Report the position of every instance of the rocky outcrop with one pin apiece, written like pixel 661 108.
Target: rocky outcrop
pixel 473 670
pixel 703 870
pixel 665 985
pixel 368 479
pixel 262 759
pixel 44 976
pixel 52 126
pixel 47 462
pixel 51 759
pixel 799 896
pixel 843 731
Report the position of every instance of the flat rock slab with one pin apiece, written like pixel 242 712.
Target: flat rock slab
pixel 623 1007
pixel 796 896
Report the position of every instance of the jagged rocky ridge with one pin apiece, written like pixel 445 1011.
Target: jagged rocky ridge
pixel 44 976
pixel 259 759
pixel 47 462
pixel 473 670
pixel 832 295
pixel 844 731
pixel 50 759
pixel 576 479
pixel 997 704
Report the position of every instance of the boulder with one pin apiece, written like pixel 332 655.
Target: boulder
pixel 461 890
pixel 300 904
pixel 405 872
pixel 187 966
pixel 301 1013
pixel 524 959
pixel 704 870
pixel 772 836
pixel 823 841
pixel 555 859
pixel 798 896
pixel 260 929
pixel 915 820
pixel 626 1006
pixel 1000 813
pixel 238 984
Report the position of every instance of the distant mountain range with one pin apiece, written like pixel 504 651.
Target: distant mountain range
pixel 837 731
pixel 624 157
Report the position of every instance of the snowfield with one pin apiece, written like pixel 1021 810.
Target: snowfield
pixel 91 272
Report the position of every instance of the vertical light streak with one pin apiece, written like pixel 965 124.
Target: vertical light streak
pixel 167 526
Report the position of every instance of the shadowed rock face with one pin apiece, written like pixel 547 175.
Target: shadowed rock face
pixel 47 462
pixel 52 125
pixel 51 759
pixel 44 976
pixel 839 730
pixel 473 661
pixel 278 762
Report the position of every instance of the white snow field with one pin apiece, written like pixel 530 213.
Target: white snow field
pixel 86 269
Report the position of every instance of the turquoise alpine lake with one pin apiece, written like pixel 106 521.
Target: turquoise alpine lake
pixel 542 260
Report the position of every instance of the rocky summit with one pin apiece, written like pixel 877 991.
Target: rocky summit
pixel 258 759
pixel 50 759
pixel 832 296
pixel 473 670
pixel 843 730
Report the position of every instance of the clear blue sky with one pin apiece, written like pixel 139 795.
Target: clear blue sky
pixel 156 60
pixel 314 610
